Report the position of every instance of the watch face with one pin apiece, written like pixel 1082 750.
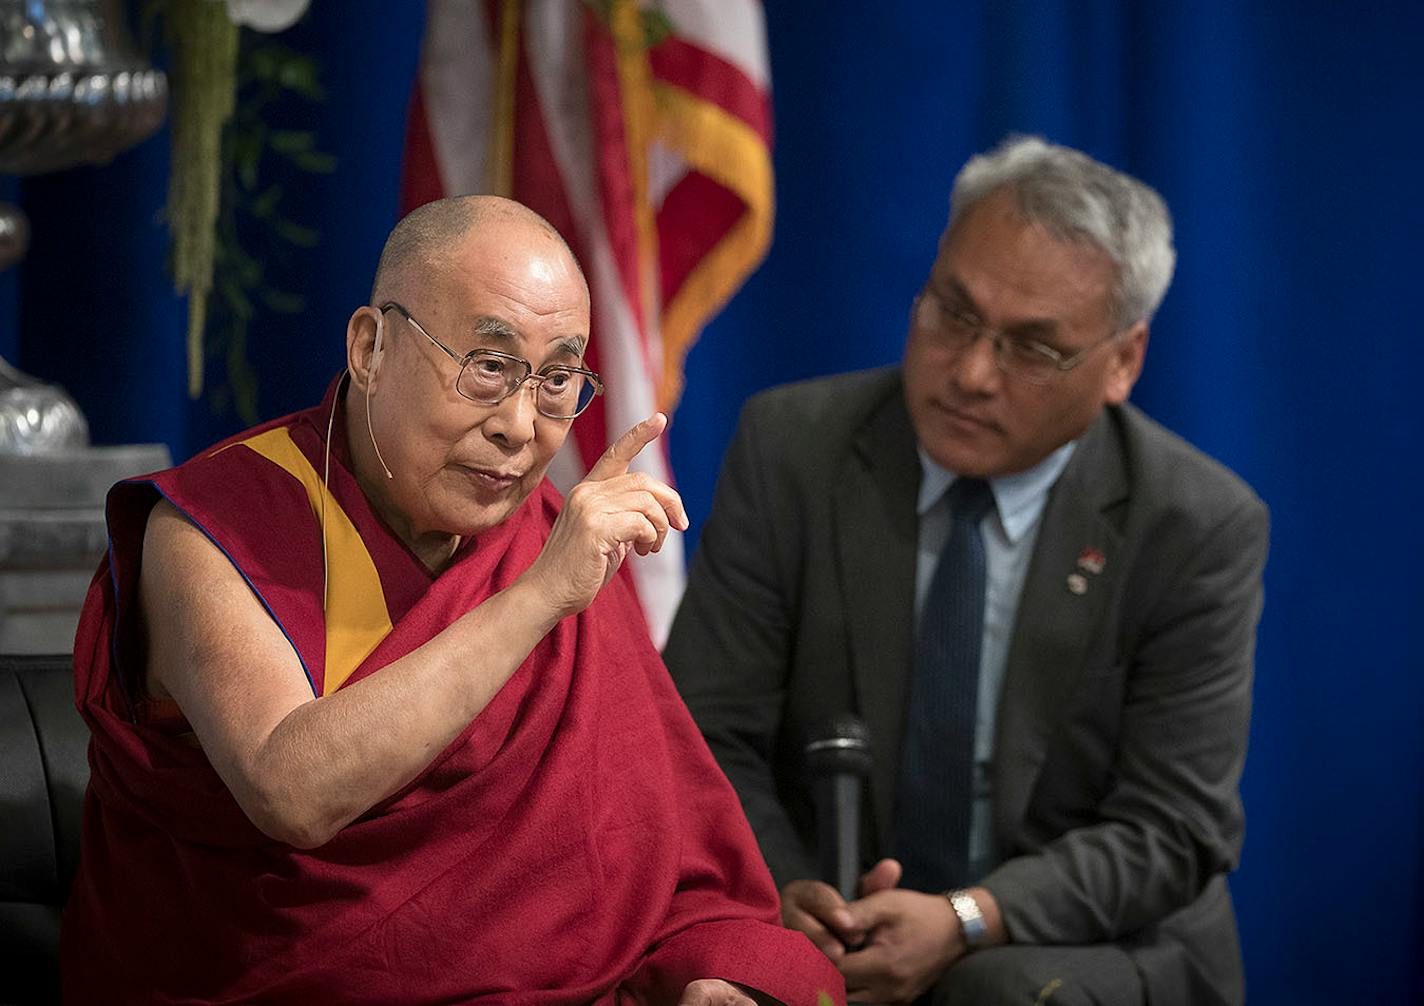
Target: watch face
pixel 971 919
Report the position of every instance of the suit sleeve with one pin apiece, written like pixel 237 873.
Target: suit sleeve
pixel 1171 819
pixel 729 649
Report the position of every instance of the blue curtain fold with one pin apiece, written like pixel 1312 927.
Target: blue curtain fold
pixel 1284 137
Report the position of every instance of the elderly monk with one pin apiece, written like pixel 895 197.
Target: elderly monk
pixel 374 720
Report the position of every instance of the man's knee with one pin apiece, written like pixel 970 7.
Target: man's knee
pixel 1050 976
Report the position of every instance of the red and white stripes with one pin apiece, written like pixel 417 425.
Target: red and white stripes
pixel 642 132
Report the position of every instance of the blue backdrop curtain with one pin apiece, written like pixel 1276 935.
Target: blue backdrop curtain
pixel 1285 137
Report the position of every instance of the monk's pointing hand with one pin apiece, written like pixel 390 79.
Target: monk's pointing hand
pixel 610 512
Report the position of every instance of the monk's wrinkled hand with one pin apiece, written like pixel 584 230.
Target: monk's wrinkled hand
pixel 714 992
pixel 815 908
pixel 609 513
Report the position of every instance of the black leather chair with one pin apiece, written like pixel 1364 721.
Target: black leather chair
pixel 44 768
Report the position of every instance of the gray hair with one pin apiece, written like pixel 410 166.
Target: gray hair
pixel 1079 199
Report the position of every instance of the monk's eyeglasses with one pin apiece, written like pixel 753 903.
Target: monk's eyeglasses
pixel 488 376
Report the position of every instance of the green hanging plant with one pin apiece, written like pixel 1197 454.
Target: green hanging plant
pixel 224 82
pixel 252 205
pixel 203 41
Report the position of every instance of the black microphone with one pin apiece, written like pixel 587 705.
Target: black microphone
pixel 838 759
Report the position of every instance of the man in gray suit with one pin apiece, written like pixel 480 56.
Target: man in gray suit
pixel 992 515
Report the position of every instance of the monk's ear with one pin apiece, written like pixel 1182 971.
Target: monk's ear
pixel 365 345
pixel 1128 351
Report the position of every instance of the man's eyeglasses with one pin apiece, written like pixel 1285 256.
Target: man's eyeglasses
pixel 488 377
pixel 1024 359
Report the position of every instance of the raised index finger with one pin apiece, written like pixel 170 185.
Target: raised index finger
pixel 621 452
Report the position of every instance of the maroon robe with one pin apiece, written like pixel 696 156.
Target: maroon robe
pixel 575 843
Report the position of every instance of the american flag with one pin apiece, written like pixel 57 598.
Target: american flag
pixel 642 131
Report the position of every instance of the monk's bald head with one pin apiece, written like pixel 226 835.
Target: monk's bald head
pixel 425 238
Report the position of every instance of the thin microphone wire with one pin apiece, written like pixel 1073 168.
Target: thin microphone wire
pixel 326 480
pixel 326 491
pixel 372 434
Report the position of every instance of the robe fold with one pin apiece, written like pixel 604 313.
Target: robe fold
pixel 575 843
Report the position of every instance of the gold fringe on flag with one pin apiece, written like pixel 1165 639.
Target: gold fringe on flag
pixel 635 85
pixel 499 169
pixel 731 153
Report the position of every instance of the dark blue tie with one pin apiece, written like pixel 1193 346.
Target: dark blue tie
pixel 936 792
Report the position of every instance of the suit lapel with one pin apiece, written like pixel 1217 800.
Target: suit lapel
pixel 875 532
pixel 1056 624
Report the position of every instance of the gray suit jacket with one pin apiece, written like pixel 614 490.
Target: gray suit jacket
pixel 1122 727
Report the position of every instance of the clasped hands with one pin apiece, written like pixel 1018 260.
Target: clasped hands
pixel 890 944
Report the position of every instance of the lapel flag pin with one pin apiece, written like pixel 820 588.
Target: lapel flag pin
pixel 1077 583
pixel 1092 560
